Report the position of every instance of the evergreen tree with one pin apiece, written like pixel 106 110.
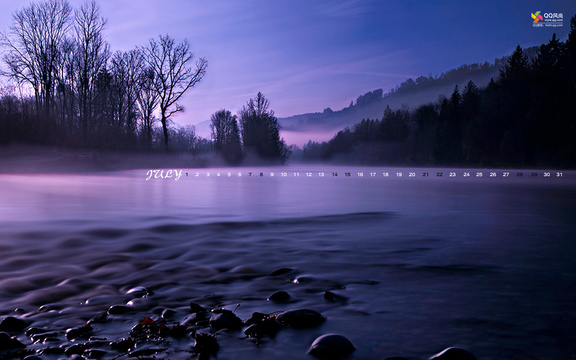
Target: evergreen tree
pixel 261 131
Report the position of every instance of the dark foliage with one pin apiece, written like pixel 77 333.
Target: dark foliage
pixel 524 118
pixel 261 131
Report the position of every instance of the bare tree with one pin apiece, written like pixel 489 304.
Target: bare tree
pixel 126 71
pixel 173 75
pixel 147 103
pixel 92 53
pixel 33 44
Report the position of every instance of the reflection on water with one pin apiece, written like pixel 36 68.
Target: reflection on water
pixel 421 263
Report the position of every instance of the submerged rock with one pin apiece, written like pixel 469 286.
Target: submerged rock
pixel 13 324
pixel 453 353
pixel 225 319
pixel 301 318
pixel 331 346
pixel 79 332
pixel 8 343
pixel 139 292
pixel 262 324
pixel 279 296
pixel 118 309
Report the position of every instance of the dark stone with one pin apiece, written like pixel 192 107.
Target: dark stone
pixel 168 313
pixel 396 358
pixel 100 319
pixel 118 309
pixel 331 346
pixel 8 343
pixel 96 354
pixel 32 357
pixel 77 349
pixel 77 357
pixel 300 318
pixel 262 324
pixel 225 319
pixel 34 330
pixel 139 292
pixel 453 353
pixel 13 324
pixel 279 296
pixel 43 336
pixel 52 351
pixel 122 344
pixel 282 271
pixel 79 332
pixel 205 344
pixel 197 309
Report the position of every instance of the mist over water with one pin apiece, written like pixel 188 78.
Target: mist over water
pixel 424 264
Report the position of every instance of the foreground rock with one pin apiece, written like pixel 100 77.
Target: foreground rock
pixel 454 353
pixel 331 346
pixel 301 318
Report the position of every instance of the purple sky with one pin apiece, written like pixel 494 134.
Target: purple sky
pixel 307 55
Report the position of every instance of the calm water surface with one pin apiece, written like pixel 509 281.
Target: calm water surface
pixel 424 263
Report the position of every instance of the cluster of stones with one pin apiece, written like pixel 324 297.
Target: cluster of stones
pixel 150 336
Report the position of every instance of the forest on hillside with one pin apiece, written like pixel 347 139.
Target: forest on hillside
pixel 526 117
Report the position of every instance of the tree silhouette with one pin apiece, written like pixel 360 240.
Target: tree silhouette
pixel 226 136
pixel 173 75
pixel 261 131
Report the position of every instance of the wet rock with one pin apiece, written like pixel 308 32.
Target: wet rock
pixel 281 271
pixel 77 357
pixel 52 351
pixel 197 309
pixel 333 297
pixel 301 318
pixel 205 344
pixel 279 296
pixel 34 330
pixel 453 353
pixel 8 343
pixel 122 344
pixel 396 358
pixel 78 332
pixel 76 349
pixel 96 354
pixel 331 346
pixel 43 336
pixel 262 324
pixel 12 324
pixel 139 292
pixel 225 319
pixel 32 357
pixel 118 309
pixel 168 313
pixel 145 352
pixel 99 319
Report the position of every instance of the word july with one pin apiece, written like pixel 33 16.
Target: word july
pixel 164 174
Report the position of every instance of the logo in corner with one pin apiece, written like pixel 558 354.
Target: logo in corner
pixel 537 17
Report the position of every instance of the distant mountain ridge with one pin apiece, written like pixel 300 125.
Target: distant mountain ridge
pixel 410 93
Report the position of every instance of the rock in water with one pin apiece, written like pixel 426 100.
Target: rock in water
pixel 454 353
pixel 8 343
pixel 300 318
pixel 13 324
pixel 225 319
pixel 331 346
pixel 279 296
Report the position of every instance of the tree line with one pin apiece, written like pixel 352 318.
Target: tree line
pixel 254 132
pixel 525 117
pixel 67 88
